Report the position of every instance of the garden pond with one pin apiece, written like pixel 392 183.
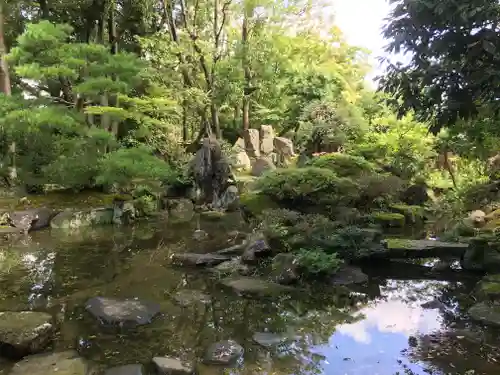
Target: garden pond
pixel 400 322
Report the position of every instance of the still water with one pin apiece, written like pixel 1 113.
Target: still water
pixel 395 325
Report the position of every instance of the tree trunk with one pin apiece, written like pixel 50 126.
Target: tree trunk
pixel 5 86
pixel 113 41
pixel 247 73
pixel 6 89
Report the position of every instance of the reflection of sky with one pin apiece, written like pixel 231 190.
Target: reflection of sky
pixel 373 345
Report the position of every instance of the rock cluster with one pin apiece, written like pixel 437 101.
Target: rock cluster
pixel 260 150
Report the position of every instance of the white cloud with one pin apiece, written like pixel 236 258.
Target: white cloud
pixel 392 317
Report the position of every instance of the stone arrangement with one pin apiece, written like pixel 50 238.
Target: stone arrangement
pixel 262 151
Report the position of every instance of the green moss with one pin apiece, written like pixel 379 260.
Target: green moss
pixel 257 202
pixel 398 243
pixel 489 287
pixel 389 219
pixel 413 214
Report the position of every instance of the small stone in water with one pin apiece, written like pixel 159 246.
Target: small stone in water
pixel 224 353
pixel 267 339
pixel 171 366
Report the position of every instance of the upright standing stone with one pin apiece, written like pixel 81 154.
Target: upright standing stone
pixel 252 143
pixel 266 139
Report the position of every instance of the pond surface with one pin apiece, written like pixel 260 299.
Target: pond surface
pixel 392 326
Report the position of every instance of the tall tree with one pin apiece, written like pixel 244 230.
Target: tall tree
pixel 454 61
pixel 5 86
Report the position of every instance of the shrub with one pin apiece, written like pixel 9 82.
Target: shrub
pixel 379 190
pixel 306 187
pixel 315 261
pixel 343 165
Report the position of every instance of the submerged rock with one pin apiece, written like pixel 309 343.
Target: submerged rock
pixel 481 255
pixel 61 363
pixel 69 219
pixel 129 312
pixel 25 332
pixel 284 269
pixel 255 286
pixel 412 249
pixel 232 267
pixel 257 247
pixel 486 313
pixel 196 259
pixel 223 353
pixel 171 366
pixel 181 210
pixel 488 288
pixel 32 219
pixel 349 275
pixel 268 339
pixel 188 297
pixel 126 370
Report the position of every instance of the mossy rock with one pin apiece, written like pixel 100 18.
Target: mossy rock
pixel 245 182
pixel 489 287
pixel 257 202
pixel 389 219
pixel 492 225
pixel 212 215
pixel 413 214
pixel 69 219
pixel 24 332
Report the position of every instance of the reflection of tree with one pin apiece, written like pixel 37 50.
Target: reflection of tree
pixel 461 346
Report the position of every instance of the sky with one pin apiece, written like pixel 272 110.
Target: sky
pixel 362 21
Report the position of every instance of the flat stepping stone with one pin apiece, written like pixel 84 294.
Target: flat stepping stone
pixel 198 260
pixel 268 339
pixel 256 286
pixel 61 363
pixel 128 312
pixel 171 366
pixel 225 353
pixel 126 370
pixel 24 332
pixel 413 249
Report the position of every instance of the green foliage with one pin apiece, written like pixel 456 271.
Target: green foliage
pixel 316 262
pixel 344 165
pixel 128 164
pixel 292 231
pixel 449 34
pixel 303 187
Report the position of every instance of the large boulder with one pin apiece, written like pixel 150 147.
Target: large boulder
pixel 284 146
pixel 25 332
pixel 32 219
pixel 349 275
pixel 129 312
pixel 252 144
pixel 242 161
pixel 262 165
pixel 70 219
pixel 266 139
pixel 60 363
pixel 482 254
pixel 232 267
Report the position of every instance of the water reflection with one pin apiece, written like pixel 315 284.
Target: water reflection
pixel 392 328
